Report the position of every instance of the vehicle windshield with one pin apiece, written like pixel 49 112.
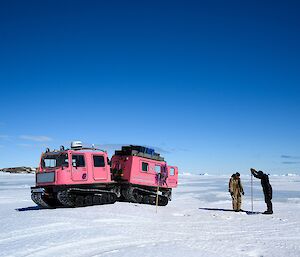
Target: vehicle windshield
pixel 55 160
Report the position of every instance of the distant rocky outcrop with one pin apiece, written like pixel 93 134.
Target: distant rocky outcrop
pixel 22 169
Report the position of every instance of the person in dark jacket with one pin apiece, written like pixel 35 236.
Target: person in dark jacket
pixel 267 189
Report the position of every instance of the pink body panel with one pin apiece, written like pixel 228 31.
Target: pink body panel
pixel 89 174
pixel 132 168
pixel 172 179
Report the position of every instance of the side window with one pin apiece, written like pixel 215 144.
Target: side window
pixel 78 161
pixel 172 171
pixel 145 166
pixel 98 161
pixel 157 168
pixel 63 160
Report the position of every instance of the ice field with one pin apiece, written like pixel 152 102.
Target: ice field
pixel 197 222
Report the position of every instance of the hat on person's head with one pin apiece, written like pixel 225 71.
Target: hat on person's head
pixel 237 174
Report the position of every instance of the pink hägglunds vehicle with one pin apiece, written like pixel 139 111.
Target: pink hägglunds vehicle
pixel 141 173
pixel 83 176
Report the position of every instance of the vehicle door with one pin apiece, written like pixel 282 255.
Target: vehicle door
pixel 172 176
pixel 99 167
pixel 79 169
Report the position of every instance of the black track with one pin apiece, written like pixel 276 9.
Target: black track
pixel 138 195
pixel 77 197
pixel 43 200
pixel 74 197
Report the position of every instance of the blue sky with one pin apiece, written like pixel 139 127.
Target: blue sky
pixel 213 84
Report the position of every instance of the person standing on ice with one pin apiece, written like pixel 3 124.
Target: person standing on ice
pixel 230 188
pixel 236 190
pixel 267 189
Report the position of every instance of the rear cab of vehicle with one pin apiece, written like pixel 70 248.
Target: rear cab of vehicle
pixel 140 166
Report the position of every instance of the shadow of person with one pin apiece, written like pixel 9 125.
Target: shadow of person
pixel 228 210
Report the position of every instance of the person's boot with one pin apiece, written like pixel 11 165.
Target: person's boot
pixel 268 212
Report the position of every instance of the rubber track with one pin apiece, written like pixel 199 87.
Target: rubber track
pixel 129 195
pixel 68 197
pixel 65 199
pixel 38 199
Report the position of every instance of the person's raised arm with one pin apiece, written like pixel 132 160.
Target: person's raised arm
pixel 254 173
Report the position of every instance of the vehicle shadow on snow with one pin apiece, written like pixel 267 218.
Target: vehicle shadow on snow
pixel 31 208
pixel 229 210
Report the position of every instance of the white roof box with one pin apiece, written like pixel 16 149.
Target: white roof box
pixel 76 144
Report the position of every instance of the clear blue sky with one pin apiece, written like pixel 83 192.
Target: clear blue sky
pixel 214 84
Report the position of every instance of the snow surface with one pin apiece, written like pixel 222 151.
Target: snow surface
pixel 198 222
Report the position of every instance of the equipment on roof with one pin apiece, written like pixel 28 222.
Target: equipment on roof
pixel 141 151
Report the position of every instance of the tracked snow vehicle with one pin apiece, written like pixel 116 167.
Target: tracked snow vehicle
pixel 83 176
pixel 143 174
pixel 74 177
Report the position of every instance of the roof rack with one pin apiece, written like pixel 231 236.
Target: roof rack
pixel 87 148
pixel 77 145
pixel 141 151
